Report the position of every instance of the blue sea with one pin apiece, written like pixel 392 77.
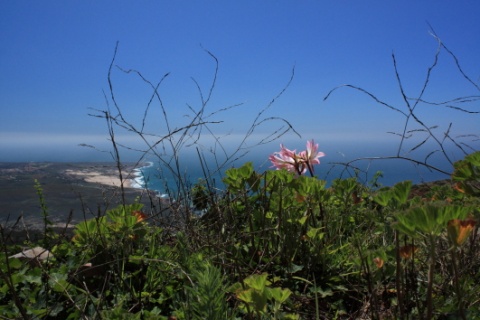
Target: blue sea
pixel 156 175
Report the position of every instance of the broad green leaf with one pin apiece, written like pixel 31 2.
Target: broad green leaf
pixel 293 268
pixel 383 197
pixel 323 293
pixel 401 191
pixel 474 158
pixel 34 276
pixel 463 171
pixel 259 300
pixel 58 282
pixel 429 218
pixel 405 224
pixel 256 281
pixel 314 232
pixel 15 263
pixel 246 295
pixel 280 295
pixel 236 287
pixel 302 220
pixel 3 290
pixel 245 171
pixel 456 212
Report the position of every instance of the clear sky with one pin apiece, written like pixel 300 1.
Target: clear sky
pixel 55 55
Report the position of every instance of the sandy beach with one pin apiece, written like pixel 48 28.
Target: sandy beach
pixel 78 188
pixel 106 178
pixel 72 192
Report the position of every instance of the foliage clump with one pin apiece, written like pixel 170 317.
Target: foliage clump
pixel 273 245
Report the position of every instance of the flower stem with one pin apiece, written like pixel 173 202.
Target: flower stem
pixel 398 277
pixel 461 311
pixel 430 277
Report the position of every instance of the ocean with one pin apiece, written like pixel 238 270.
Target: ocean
pixel 155 175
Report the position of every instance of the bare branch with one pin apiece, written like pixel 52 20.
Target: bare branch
pixel 367 93
pixel 411 105
pixel 457 63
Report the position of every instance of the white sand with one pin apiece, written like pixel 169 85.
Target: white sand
pixel 104 178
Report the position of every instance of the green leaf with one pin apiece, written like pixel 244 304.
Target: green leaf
pixel 302 220
pixel 293 268
pixel 467 168
pixel 135 259
pixel 236 287
pixel 246 170
pixel 246 295
pixel 256 281
pixel 463 171
pixel 474 158
pixel 15 263
pixel 429 218
pixel 405 224
pixel 280 295
pixel 34 276
pixel 455 212
pixel 38 312
pixel 312 233
pixel 259 300
pixel 58 282
pixel 323 293
pixel 383 197
pixel 401 191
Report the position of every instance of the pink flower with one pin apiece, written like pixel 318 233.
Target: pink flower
pixel 310 156
pixel 298 163
pixel 285 159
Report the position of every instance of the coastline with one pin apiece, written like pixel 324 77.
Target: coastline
pixel 73 192
pixel 83 188
pixel 137 179
pixel 70 192
pixel 107 178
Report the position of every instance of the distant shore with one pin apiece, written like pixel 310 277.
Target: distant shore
pixel 105 177
pixel 73 192
pixel 69 190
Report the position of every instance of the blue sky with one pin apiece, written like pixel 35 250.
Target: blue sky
pixel 55 55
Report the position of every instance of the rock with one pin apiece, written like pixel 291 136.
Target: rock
pixel 34 256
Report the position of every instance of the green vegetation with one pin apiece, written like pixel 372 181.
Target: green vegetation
pixel 273 246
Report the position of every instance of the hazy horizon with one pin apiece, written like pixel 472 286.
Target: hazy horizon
pixel 55 66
